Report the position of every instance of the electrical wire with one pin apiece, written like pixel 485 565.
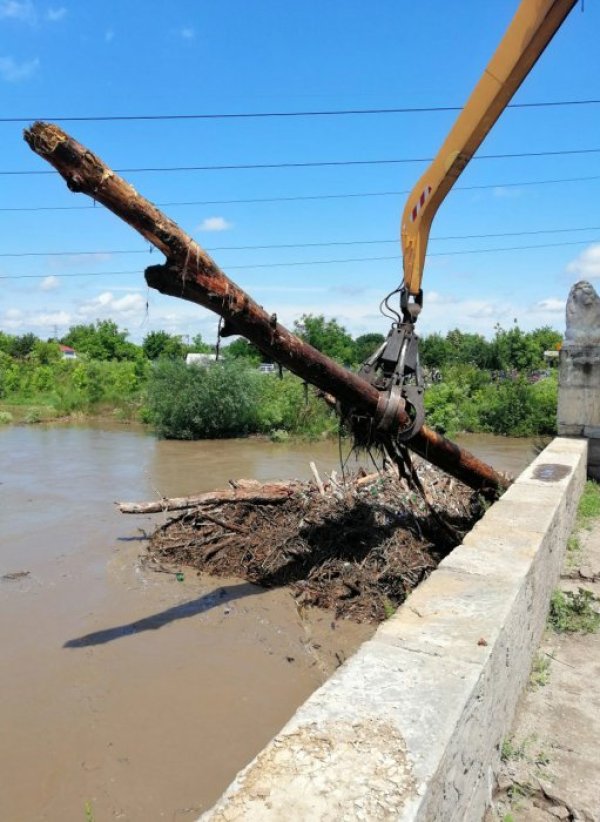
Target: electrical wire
pixel 314 163
pixel 114 252
pixel 301 197
pixel 247 115
pixel 316 262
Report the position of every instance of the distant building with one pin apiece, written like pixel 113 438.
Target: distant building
pixel 67 352
pixel 203 360
pixel 551 356
pixel 267 368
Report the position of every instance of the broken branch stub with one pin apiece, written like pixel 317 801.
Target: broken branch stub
pixel 191 274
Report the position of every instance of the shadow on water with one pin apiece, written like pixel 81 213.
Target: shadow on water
pixel 348 540
pixel 183 611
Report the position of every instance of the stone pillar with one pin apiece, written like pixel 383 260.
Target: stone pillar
pixel 579 373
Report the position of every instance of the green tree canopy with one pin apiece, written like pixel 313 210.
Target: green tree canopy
pixel 45 353
pixel 5 342
pixel 434 351
pixel 514 348
pixel 469 349
pixel 160 344
pixel 365 345
pixel 546 339
pixel 199 346
pixel 101 340
pixel 241 349
pixel 21 347
pixel 327 336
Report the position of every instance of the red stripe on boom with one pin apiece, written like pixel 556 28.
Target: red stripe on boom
pixel 424 195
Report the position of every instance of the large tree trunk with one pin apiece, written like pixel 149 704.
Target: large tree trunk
pixel 191 274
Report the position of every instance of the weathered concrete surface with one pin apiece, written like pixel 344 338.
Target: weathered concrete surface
pixel 410 728
pixel 552 768
pixel 578 412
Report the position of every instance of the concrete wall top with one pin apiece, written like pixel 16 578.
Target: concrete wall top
pixel 410 727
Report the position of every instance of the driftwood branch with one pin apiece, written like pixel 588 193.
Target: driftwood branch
pixel 269 493
pixel 191 274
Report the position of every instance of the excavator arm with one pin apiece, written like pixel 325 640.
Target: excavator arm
pixel 394 368
pixel 532 28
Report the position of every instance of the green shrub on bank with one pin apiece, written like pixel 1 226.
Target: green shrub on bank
pixel 72 386
pixel 231 400
pixel 290 405
pixel 516 408
pixel 190 402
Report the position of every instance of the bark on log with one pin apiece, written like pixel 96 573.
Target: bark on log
pixel 191 274
pixel 271 492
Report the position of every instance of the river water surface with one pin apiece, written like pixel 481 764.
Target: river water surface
pixel 124 691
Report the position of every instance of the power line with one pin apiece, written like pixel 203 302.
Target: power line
pixel 313 262
pixel 247 115
pixel 326 244
pixel 315 163
pixel 302 197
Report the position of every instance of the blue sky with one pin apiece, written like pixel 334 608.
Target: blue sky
pixel 78 59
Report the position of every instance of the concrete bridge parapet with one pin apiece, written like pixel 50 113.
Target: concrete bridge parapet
pixel 410 728
pixel 579 373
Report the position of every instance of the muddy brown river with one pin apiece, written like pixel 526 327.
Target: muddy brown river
pixel 126 694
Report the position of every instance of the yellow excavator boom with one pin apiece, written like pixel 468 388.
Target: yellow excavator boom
pixel 394 369
pixel 532 28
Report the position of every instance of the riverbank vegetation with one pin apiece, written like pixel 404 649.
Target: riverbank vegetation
pixel 501 386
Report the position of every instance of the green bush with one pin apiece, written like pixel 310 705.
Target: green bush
pixel 467 400
pixel 450 408
pixel 519 409
pixel 190 402
pixel 232 400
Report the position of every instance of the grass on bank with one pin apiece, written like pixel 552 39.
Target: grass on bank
pixel 578 611
pixel 540 671
pixel 574 612
pixel 589 505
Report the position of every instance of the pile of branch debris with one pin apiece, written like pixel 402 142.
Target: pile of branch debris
pixel 357 546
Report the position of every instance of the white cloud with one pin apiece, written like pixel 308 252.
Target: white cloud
pixel 550 305
pixel 215 224
pixel 16 10
pixel 47 319
pixel 586 264
pixel 13 313
pixel 187 32
pixel 49 283
pixel 475 309
pixel 55 15
pixel 117 308
pixel 12 72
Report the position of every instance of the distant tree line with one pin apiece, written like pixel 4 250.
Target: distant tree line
pixel 103 341
pixel 151 382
